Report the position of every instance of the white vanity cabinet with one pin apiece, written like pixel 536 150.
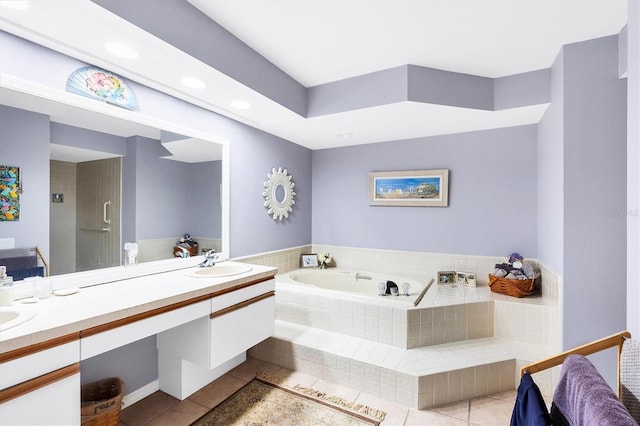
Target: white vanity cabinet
pixel 192 355
pixel 41 385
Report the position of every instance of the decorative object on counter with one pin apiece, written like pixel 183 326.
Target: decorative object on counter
pixel 409 188
pixel 388 288
pixel 6 287
pixel 405 289
pixel 130 254
pixel 466 279
pixel 186 247
pixel 309 260
pixel 446 277
pixel 278 194
pixel 101 402
pixel 10 190
pixel 42 287
pixel 324 260
pixel 513 277
pixel 102 85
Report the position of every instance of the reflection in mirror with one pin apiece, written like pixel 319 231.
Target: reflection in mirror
pixel 280 194
pixel 112 181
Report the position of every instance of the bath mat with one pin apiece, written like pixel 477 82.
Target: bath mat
pixel 267 401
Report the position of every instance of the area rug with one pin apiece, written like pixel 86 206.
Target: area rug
pixel 266 400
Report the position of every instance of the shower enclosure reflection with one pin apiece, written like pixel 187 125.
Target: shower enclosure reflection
pixel 109 182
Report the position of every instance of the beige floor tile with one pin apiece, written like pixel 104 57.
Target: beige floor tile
pixel 184 413
pixel 143 411
pixel 217 391
pixel 509 395
pixel 489 412
pixel 424 417
pixel 247 370
pixel 459 410
pixel 331 389
pixel 396 413
pixel 293 378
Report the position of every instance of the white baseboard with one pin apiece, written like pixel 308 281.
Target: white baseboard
pixel 140 393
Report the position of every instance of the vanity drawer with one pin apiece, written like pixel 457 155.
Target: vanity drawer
pixel 34 361
pixel 51 399
pixel 237 328
pixel 216 338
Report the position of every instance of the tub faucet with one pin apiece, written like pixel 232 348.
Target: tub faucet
pixel 209 259
pixel 359 276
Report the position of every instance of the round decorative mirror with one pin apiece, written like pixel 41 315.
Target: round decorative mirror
pixel 278 194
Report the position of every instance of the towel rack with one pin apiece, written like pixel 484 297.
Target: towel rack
pixel 586 349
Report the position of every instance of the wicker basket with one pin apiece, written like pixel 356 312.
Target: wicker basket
pixel 101 402
pixel 515 288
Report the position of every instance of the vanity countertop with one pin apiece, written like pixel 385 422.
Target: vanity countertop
pixel 58 316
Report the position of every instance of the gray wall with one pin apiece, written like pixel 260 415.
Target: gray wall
pixel 204 194
pixel 550 174
pixel 633 168
pixel 594 194
pixel 24 142
pixel 169 198
pixel 492 181
pixel 582 193
pixel 253 155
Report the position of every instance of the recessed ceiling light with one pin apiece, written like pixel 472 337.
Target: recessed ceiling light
pixel 15 4
pixel 121 50
pixel 240 104
pixel 345 135
pixel 193 83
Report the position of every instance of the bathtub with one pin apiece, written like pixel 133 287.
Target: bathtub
pixel 354 284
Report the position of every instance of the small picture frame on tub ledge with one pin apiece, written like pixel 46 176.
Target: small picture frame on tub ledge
pixel 446 277
pixel 309 260
pixel 467 279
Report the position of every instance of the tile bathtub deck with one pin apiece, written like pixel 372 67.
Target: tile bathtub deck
pixel 416 362
pixel 161 409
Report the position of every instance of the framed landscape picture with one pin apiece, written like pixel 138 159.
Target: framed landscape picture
pixel 409 188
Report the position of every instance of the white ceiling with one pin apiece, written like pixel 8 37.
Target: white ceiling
pixel 319 41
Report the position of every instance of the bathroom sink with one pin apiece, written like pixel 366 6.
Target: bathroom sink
pixel 221 270
pixel 10 317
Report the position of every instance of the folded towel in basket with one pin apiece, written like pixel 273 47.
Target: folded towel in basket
pixel 584 398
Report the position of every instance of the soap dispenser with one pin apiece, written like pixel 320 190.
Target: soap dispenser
pixel 6 287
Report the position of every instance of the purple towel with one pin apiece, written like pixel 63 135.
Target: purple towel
pixel 584 398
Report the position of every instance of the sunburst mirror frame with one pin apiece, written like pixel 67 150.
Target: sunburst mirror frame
pixel 278 194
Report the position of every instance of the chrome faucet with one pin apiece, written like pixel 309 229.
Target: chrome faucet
pixel 359 276
pixel 182 252
pixel 210 258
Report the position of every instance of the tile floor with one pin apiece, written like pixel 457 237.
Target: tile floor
pixel 162 409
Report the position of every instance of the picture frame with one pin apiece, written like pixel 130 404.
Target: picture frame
pixel 446 277
pixel 309 260
pixel 466 279
pixel 422 188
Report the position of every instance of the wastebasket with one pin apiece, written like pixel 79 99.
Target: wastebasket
pixel 101 402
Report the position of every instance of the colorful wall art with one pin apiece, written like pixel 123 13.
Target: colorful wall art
pixel 9 193
pixel 102 85
pixel 409 188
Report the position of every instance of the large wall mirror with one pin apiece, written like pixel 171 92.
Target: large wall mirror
pixel 110 180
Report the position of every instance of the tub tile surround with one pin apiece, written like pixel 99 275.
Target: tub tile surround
pixel 466 342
